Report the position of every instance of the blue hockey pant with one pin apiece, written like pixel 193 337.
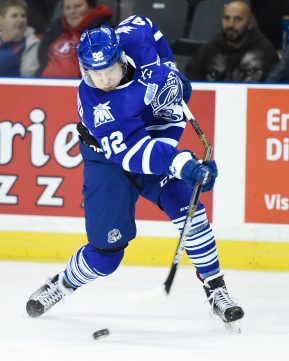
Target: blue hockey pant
pixel 110 196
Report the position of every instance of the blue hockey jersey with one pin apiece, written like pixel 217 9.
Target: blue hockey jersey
pixel 138 125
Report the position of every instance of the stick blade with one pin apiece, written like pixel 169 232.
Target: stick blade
pixel 152 296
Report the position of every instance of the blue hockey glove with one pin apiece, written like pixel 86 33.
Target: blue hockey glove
pixel 187 87
pixel 185 166
pixel 212 166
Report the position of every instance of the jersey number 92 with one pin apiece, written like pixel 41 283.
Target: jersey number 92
pixel 113 144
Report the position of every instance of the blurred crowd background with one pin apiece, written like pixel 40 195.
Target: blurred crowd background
pixel 212 40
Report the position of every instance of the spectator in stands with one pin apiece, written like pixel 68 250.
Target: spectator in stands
pixel 240 52
pixel 268 14
pixel 57 52
pixel 40 14
pixel 280 72
pixel 18 42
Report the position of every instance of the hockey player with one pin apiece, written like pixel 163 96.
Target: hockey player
pixel 129 103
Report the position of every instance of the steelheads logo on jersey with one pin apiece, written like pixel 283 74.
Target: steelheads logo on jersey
pixel 124 29
pixel 102 114
pixel 165 104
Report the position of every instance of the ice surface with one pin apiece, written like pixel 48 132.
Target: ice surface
pixel 177 329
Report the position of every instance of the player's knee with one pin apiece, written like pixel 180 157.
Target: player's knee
pixel 104 262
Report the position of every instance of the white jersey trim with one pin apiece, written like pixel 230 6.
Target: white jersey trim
pixel 147 156
pixel 150 64
pixel 132 151
pixel 158 35
pixel 170 141
pixel 178 163
pixel 181 124
pixel 150 22
pixel 124 85
pixel 130 60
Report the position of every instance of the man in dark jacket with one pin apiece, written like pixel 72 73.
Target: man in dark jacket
pixel 240 51
pixel 269 14
pixel 280 72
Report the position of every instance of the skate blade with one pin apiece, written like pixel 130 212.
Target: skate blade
pixel 233 327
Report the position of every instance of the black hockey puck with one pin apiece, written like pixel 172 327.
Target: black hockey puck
pixel 100 334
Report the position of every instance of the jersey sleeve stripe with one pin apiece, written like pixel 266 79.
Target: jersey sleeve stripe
pixel 147 156
pixel 181 124
pixel 170 141
pixel 150 22
pixel 132 151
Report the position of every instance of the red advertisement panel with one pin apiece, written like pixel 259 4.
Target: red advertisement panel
pixel 40 164
pixel 267 163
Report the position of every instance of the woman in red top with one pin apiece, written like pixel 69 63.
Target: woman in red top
pixel 57 51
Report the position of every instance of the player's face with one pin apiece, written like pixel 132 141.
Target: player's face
pixel 13 23
pixel 235 21
pixel 107 79
pixel 75 11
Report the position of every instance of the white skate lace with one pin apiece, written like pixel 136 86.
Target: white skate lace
pixel 221 300
pixel 50 296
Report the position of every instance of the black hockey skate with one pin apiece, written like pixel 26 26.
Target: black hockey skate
pixel 48 295
pixel 222 305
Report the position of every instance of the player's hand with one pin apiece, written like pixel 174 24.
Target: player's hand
pixel 187 86
pixel 185 166
pixel 212 166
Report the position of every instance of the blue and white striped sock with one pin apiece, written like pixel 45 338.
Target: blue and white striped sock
pixel 87 264
pixel 200 246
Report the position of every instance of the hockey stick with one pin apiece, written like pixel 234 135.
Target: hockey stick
pixel 208 150
pixel 157 294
